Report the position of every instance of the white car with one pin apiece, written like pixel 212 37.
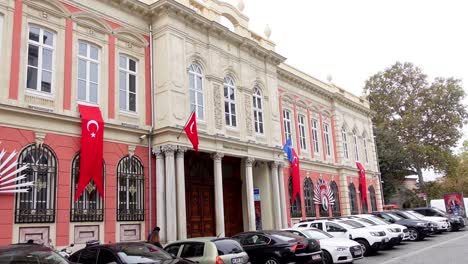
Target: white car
pixel 395 234
pixel 371 240
pixel 395 228
pixel 335 250
pixel 443 223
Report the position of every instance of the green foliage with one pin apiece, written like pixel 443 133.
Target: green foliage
pixel 419 122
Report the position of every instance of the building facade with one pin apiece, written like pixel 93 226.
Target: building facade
pixel 148 65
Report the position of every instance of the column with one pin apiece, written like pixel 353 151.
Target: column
pixel 171 213
pixel 378 192
pixel 345 202
pixel 160 193
pixel 250 195
pixel 276 195
pixel 282 191
pixel 218 185
pixel 181 213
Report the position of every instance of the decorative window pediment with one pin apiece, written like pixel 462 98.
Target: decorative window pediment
pixel 49 6
pixel 130 37
pixel 92 22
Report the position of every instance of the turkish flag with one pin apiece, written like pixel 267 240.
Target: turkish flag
pixel 362 180
pixel 295 172
pixel 191 131
pixel 91 156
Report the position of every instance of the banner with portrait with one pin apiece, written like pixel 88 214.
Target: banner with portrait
pixel 454 204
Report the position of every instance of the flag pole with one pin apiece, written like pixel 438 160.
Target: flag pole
pixel 186 122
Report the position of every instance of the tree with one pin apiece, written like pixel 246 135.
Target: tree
pixel 424 118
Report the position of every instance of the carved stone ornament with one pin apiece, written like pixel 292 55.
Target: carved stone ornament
pixel 248 114
pixel 217 156
pixel 131 150
pixel 217 104
pixel 181 152
pixel 44 14
pixel 249 161
pixel 39 138
pixel 168 150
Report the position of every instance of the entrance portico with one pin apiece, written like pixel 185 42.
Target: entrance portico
pixel 207 193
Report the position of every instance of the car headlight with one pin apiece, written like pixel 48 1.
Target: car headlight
pixel 375 233
pixel 421 224
pixel 341 248
pixel 393 230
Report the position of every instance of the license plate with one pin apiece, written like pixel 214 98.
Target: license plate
pixel 237 260
pixel 386 240
pixel 358 252
pixel 315 257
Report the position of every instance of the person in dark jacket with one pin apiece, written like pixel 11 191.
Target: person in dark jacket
pixel 153 238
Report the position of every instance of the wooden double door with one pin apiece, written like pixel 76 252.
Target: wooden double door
pixel 199 186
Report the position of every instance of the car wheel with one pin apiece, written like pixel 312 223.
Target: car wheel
pixel 413 234
pixel 366 249
pixel 272 260
pixel 327 258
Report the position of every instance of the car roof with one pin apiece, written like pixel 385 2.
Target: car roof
pixel 200 239
pixel 25 247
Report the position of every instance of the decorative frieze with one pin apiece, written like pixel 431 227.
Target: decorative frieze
pixel 248 114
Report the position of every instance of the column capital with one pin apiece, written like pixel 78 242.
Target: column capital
pixel 158 152
pixel 280 164
pixel 181 152
pixel 217 156
pixel 249 161
pixel 274 164
pixel 168 150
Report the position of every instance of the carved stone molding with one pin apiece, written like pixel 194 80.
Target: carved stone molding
pixel 131 150
pixel 249 161
pixel 39 138
pixel 181 152
pixel 248 114
pixel 169 150
pixel 217 156
pixel 217 106
pixel 274 164
pixel 158 152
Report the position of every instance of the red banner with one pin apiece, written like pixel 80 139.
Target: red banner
pixel 296 177
pixel 362 180
pixel 192 131
pixel 454 204
pixel 91 155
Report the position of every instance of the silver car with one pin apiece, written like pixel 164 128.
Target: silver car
pixel 209 250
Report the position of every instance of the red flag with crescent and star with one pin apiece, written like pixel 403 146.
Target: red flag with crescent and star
pixel 296 177
pixel 91 154
pixel 362 180
pixel 191 131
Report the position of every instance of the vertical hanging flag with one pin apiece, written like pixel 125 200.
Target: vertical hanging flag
pixel 91 155
pixel 191 131
pixel 362 181
pixel 295 172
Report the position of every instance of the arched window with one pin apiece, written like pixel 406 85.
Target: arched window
pixel 230 102
pixel 37 205
pixel 130 190
pixel 372 198
pixel 344 137
pixel 258 110
pixel 89 207
pixel 356 147
pixel 336 207
pixel 309 197
pixel 296 210
pixel 353 199
pixel 196 91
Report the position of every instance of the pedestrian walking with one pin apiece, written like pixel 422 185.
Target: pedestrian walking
pixel 153 238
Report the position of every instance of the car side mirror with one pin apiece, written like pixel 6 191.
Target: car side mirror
pixel 391 220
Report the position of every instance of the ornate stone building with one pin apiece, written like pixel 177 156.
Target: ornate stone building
pixel 147 65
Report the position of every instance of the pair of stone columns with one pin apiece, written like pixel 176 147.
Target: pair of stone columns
pixel 279 197
pixel 170 184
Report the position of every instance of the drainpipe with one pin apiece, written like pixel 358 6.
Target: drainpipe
pixel 150 132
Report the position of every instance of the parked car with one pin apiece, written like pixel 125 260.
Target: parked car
pixel 395 235
pixel 417 229
pixel 335 250
pixel 443 224
pixel 209 250
pixel 456 222
pixel 275 247
pixel 30 253
pixel 124 253
pixel 391 227
pixel 370 240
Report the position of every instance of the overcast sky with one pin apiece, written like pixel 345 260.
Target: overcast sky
pixel 352 40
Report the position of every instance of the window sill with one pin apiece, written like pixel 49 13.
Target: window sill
pixel 36 93
pixel 231 128
pixel 80 102
pixel 128 114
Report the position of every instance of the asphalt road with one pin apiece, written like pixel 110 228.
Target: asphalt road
pixel 446 248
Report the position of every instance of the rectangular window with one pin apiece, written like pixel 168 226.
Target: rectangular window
pixel 258 111
pixel 302 130
pixel 127 83
pixel 287 124
pixel 326 133
pixel 344 137
pixel 356 148
pixel 364 145
pixel 40 59
pixel 315 135
pixel 88 72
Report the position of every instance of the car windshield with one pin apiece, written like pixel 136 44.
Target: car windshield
pixel 409 216
pixel 352 223
pixel 285 236
pixel 367 221
pixel 227 246
pixel 41 255
pixel 142 253
pixel 316 234
pixel 394 216
pixel 418 215
pixel 377 220
pixel 440 211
